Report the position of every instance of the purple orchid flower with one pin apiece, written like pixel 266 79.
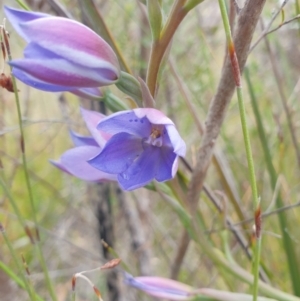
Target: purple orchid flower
pixel 62 54
pixel 144 146
pixel 161 287
pixel 74 160
pixel 131 147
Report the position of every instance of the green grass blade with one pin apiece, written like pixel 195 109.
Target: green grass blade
pixel 288 244
pixel 7 270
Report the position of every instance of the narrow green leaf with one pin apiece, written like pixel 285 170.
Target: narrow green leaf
pixel 8 271
pixel 288 244
pixel 155 18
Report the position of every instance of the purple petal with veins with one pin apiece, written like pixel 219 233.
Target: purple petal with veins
pixel 92 118
pixel 17 16
pixel 74 161
pixel 125 121
pixel 115 159
pixel 80 140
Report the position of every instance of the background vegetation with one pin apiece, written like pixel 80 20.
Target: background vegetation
pixel 143 226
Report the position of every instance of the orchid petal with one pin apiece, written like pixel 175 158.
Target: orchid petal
pixel 118 154
pixel 92 118
pixel 177 142
pixel 161 287
pixel 175 166
pixel 125 121
pixel 165 164
pixel 71 40
pixel 17 16
pixel 153 115
pixel 59 165
pixel 88 93
pixel 80 140
pixel 61 72
pixel 142 170
pixel 102 75
pixel 37 83
pixel 82 169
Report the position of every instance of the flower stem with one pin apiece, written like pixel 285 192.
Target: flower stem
pixel 256 203
pixel 28 185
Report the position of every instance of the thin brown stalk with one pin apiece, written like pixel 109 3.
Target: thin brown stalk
pixel 266 30
pixel 282 24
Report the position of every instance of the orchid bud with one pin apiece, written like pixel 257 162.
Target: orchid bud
pixel 62 54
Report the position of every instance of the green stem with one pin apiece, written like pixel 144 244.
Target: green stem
pixel 256 203
pixel 247 146
pixel 22 4
pixel 29 189
pixel 12 252
pixel 12 201
pixel 288 243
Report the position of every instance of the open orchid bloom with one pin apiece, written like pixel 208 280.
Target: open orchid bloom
pixel 133 147
pixel 62 54
pixel 74 160
pixel 144 146
pixel 161 287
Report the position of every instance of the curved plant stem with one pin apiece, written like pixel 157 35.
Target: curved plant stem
pixel 160 46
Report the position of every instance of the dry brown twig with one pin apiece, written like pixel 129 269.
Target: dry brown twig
pixel 266 30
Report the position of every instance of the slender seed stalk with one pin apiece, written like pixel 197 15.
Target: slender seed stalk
pixel 256 202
